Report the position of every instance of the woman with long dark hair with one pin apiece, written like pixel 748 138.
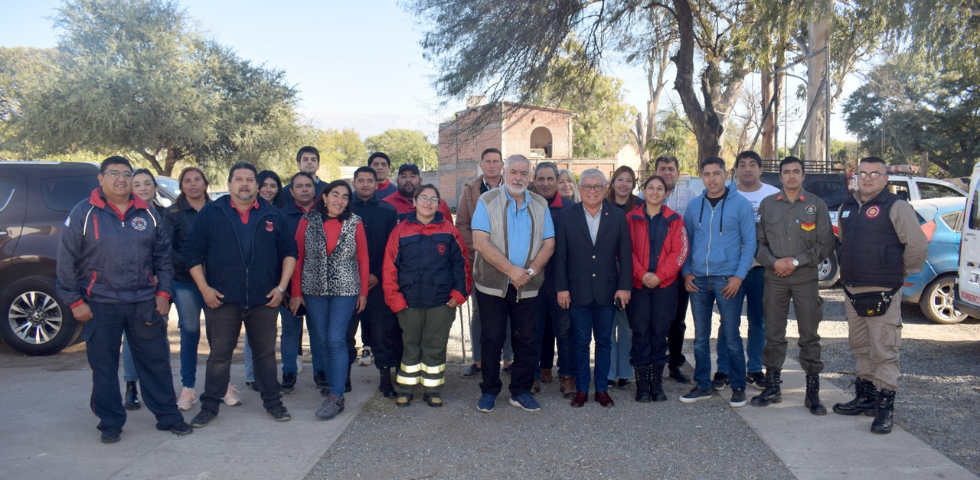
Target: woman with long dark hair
pixel 331 280
pixel 659 249
pixel 426 277
pixel 270 188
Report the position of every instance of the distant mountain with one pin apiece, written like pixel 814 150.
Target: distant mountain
pixel 368 124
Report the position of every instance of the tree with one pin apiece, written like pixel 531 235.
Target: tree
pixel 404 146
pixel 908 108
pixel 21 70
pixel 603 121
pixel 675 137
pixel 506 48
pixel 139 75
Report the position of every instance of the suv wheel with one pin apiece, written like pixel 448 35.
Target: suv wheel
pixel 828 272
pixel 37 323
pixel 936 301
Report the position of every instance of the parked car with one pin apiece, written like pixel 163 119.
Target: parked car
pixel 968 279
pixel 168 190
pixel 35 199
pixel 932 288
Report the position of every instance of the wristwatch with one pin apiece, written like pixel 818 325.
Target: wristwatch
pixel 280 289
pixel 530 270
pixel 796 263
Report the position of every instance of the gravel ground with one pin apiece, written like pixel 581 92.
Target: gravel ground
pixel 937 403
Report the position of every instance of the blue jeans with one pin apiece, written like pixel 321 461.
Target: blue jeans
pixel 327 320
pixel 548 307
pixel 129 368
pixel 189 304
pixel 587 321
pixel 621 341
pixel 702 301
pixel 753 290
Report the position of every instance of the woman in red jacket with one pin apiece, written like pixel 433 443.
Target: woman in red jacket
pixel 426 276
pixel 659 250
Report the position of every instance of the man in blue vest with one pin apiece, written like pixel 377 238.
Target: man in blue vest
pixel 112 246
pixel 881 244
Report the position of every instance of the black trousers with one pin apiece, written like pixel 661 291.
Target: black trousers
pixel 495 312
pixel 385 337
pixel 224 326
pixel 651 313
pixel 151 356
pixel 675 336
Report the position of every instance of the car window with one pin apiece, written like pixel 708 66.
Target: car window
pixel 900 188
pixel 62 194
pixel 929 190
pixel 954 220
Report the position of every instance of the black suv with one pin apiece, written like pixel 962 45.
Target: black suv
pixel 35 199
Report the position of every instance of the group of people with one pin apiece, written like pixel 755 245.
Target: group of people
pixel 568 264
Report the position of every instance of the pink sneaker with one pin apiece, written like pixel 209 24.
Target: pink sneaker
pixel 187 398
pixel 231 396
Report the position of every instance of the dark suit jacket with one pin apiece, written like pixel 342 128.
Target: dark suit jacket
pixel 593 273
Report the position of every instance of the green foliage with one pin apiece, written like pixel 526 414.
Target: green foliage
pixel 603 121
pixel 21 71
pixel 404 146
pixel 139 75
pixel 909 107
pixel 674 137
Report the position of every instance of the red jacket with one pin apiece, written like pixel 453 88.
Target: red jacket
pixel 403 206
pixel 672 254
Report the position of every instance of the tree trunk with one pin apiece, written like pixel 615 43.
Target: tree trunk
pixel 768 149
pixel 656 89
pixel 816 131
pixel 924 164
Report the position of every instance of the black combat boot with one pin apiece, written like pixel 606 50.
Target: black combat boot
pixel 772 393
pixel 642 383
pixel 885 412
pixel 387 390
pixel 347 385
pixel 865 401
pixel 813 396
pixel 656 374
pixel 132 400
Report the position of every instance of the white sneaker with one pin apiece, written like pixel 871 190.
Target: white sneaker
pixel 187 398
pixel 299 364
pixel 366 357
pixel 231 396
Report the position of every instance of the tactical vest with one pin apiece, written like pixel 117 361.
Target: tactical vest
pixel 870 254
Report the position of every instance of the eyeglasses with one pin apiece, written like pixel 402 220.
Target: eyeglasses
pixel 871 175
pixel 594 188
pixel 116 173
pixel 429 200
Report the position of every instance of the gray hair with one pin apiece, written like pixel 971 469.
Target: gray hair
pixel 591 173
pixel 516 158
pixel 550 165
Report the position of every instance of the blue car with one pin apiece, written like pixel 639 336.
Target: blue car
pixel 941 219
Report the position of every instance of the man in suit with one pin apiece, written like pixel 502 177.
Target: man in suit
pixel 591 281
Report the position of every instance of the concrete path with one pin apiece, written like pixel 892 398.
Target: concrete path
pixel 838 446
pixel 48 431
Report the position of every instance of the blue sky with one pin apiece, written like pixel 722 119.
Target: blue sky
pixel 346 58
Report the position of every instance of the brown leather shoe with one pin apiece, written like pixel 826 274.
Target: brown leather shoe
pixel 546 376
pixel 580 399
pixel 567 385
pixel 604 399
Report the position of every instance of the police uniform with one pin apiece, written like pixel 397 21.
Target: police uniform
pixel 799 229
pixel 881 244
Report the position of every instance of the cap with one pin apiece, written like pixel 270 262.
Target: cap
pixel 409 166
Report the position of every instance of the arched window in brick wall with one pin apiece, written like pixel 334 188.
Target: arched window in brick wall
pixel 541 143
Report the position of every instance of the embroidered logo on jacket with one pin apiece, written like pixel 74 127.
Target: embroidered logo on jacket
pixel 872 212
pixel 441 248
pixel 268 226
pixel 810 209
pixel 139 224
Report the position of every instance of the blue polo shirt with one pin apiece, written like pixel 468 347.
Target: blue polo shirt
pixel 518 227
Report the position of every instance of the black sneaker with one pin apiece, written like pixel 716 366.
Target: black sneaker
pixel 203 418
pixel 132 400
pixel 756 379
pixel 111 435
pixel 471 372
pixel 508 369
pixel 738 398
pixel 180 428
pixel 720 381
pixel 696 394
pixel 279 413
pixel 288 382
pixel 321 380
pixel 252 385
pixel 623 383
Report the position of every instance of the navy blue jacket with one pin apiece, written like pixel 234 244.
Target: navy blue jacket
pixel 213 242
pixel 107 259
pixel 379 219
pixel 425 265
pixel 556 205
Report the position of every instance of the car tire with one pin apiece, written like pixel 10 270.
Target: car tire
pixel 936 301
pixel 828 272
pixel 35 322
